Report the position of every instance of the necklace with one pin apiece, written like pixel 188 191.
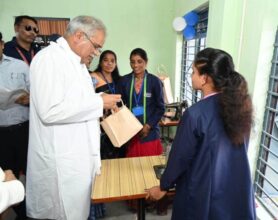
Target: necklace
pixel 139 78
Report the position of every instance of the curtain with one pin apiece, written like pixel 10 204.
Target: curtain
pixel 52 26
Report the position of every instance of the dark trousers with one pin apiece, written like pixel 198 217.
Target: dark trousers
pixel 13 155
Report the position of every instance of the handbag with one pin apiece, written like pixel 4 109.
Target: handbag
pixel 167 90
pixel 121 126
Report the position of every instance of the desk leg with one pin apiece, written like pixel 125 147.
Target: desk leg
pixel 141 209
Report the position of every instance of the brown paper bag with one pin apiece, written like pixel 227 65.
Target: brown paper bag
pixel 167 90
pixel 121 126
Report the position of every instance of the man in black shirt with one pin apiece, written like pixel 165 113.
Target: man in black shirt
pixel 22 46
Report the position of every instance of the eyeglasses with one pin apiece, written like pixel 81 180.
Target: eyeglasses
pixel 30 28
pixel 96 47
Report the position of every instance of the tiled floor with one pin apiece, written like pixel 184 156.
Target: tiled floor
pixel 116 211
pixel 119 211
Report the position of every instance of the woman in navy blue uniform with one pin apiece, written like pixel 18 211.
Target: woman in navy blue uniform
pixel 142 93
pixel 208 163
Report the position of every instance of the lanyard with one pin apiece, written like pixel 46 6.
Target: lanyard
pixel 111 87
pixel 23 57
pixel 132 91
pixel 137 97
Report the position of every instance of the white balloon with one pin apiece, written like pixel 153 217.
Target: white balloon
pixel 179 23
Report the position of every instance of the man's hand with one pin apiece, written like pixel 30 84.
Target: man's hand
pixel 145 131
pixel 23 99
pixel 110 101
pixel 9 175
pixel 155 193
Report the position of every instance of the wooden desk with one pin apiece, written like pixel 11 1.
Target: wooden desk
pixel 125 179
pixel 168 123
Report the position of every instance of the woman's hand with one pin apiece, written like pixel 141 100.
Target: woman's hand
pixel 155 193
pixel 145 131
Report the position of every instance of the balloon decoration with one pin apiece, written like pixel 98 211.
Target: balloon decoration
pixel 189 32
pixel 186 24
pixel 191 18
pixel 179 24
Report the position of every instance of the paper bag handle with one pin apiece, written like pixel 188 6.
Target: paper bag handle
pixel 112 111
pixel 161 70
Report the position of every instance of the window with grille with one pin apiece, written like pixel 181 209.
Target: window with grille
pixel 190 49
pixel 266 180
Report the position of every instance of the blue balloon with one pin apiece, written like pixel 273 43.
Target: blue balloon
pixel 191 18
pixel 189 32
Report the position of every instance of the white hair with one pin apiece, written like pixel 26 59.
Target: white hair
pixel 87 24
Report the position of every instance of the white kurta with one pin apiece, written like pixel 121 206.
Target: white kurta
pixel 11 192
pixel 63 154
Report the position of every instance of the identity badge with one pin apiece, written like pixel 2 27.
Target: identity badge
pixel 138 110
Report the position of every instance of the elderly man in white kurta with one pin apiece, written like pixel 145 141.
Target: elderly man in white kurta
pixel 63 155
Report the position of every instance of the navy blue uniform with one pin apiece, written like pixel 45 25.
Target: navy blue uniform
pixel 211 175
pixel 10 50
pixel 154 102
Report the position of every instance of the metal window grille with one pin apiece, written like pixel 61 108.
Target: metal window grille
pixel 266 179
pixel 189 50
